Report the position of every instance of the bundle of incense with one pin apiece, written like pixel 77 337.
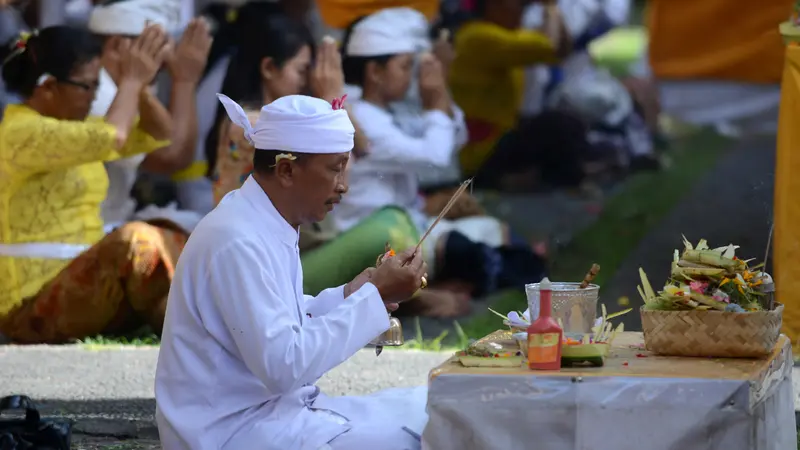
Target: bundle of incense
pixel 388 250
pixel 445 210
pixel 590 276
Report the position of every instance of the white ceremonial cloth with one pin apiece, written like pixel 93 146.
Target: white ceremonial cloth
pixel 240 355
pixel 131 16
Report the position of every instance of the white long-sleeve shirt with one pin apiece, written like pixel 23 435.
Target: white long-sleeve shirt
pixel 242 345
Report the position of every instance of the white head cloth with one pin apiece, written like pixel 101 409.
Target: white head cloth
pixel 129 17
pixel 390 31
pixel 295 123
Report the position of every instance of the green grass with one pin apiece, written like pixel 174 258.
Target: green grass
pixel 444 341
pixel 641 204
pixel 105 342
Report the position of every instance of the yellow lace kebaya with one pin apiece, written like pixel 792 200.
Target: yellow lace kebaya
pixel 52 181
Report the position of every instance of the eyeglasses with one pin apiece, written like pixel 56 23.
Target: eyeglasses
pixel 85 86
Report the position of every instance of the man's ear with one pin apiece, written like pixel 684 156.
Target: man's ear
pixel 284 172
pixel 373 72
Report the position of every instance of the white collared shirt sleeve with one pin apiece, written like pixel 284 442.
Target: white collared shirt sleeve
pixel 390 146
pixel 324 301
pixel 276 347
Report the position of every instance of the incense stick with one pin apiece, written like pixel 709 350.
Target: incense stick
pixel 769 245
pixel 590 276
pixel 445 210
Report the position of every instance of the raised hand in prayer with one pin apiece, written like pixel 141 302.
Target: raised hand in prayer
pixel 443 50
pixel 432 84
pixel 111 57
pixel 327 77
pixel 398 277
pixel 187 62
pixel 142 58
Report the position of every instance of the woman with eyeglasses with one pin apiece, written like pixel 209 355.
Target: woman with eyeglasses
pixel 60 277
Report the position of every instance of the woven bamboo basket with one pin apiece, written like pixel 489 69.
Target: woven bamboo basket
pixel 712 333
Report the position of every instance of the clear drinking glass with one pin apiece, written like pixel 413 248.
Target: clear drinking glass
pixel 577 308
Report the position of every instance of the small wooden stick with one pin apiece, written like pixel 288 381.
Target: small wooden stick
pixel 590 276
pixel 445 210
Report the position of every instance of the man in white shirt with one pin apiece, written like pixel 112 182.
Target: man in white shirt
pixel 242 346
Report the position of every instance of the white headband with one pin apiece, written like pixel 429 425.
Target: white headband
pixel 391 31
pixel 131 16
pixel 296 123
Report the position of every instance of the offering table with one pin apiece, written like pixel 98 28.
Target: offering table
pixel 636 401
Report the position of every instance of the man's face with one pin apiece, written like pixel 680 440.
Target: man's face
pixel 320 182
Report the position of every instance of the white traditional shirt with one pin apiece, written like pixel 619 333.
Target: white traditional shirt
pixel 242 346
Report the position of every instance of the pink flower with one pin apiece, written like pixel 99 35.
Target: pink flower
pixel 698 286
pixel 338 103
pixel 722 298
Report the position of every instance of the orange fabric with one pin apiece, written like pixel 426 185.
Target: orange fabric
pixel 717 39
pixel 341 13
pixel 786 243
pixel 117 286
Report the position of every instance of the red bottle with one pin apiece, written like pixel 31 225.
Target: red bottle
pixel 544 334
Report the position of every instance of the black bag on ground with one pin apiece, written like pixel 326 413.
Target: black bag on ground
pixel 32 432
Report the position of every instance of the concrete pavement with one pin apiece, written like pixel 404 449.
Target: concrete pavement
pixel 109 391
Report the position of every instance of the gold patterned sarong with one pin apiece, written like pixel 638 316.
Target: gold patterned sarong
pixel 117 286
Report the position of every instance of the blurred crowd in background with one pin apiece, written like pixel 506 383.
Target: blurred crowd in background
pixel 503 91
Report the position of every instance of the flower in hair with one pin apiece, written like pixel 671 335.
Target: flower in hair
pixel 281 156
pixel 338 103
pixel 20 45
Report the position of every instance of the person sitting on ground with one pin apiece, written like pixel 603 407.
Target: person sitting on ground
pixel 487 81
pixel 235 24
pixel 241 374
pixel 622 120
pixel 472 253
pixel 275 61
pixel 409 113
pixel 60 278
pixel 121 20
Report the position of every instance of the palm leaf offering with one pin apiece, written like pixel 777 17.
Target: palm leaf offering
pixel 703 278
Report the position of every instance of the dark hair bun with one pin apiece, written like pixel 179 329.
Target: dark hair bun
pixel 57 51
